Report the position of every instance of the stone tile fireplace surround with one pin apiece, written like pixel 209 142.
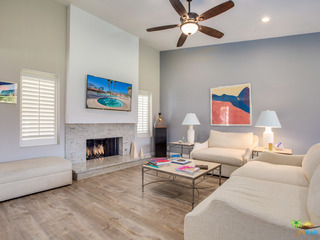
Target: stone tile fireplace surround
pixel 77 135
pixel 76 139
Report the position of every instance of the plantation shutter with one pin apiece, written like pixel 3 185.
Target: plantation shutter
pixel 38 113
pixel 144 114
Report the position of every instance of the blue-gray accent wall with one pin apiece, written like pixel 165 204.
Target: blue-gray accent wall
pixel 284 74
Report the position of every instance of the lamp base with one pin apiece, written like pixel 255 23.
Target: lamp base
pixel 191 134
pixel 268 137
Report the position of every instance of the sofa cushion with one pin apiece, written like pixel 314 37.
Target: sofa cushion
pixel 227 156
pixel 311 161
pixel 278 203
pixel 271 172
pixel 30 168
pixel 314 198
pixel 230 140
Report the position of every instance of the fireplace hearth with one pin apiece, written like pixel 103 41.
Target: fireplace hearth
pixel 102 147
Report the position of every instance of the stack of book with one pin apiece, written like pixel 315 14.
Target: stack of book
pixel 188 169
pixel 180 161
pixel 174 156
pixel 158 162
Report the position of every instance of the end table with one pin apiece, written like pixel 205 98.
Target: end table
pixel 181 145
pixel 258 150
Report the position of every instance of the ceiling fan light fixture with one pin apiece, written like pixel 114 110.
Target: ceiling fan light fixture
pixel 265 19
pixel 189 28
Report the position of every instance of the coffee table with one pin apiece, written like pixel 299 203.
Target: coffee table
pixel 170 170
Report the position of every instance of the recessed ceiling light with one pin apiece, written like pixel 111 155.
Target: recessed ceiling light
pixel 265 19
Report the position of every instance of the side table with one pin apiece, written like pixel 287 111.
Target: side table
pixel 181 145
pixel 258 150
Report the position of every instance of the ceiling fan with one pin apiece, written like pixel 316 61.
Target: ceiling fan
pixel 190 20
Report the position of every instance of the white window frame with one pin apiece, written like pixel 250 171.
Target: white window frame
pixel 147 133
pixel 38 140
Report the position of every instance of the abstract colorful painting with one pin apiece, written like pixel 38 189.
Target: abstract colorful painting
pixel 8 92
pixel 231 105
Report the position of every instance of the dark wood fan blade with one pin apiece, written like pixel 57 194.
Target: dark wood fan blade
pixel 177 5
pixel 211 32
pixel 216 10
pixel 182 39
pixel 162 27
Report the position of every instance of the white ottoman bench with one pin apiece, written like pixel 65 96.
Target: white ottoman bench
pixel 23 177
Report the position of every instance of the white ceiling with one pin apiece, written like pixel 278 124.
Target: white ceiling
pixel 241 23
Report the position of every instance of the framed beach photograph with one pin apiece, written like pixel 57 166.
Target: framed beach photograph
pixel 231 105
pixel 8 92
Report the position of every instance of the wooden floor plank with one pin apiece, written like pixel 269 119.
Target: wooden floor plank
pixel 23 221
pixel 110 206
pixel 7 229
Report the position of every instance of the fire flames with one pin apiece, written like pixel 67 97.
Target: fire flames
pixel 96 151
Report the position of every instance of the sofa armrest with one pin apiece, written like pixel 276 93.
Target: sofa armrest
pixel 198 146
pixel 219 220
pixel 248 153
pixel 280 159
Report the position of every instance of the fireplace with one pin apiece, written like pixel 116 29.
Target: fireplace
pixel 77 135
pixel 102 147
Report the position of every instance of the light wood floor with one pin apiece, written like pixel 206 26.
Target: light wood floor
pixel 110 206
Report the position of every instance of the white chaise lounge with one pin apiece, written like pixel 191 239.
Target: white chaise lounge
pixel 23 177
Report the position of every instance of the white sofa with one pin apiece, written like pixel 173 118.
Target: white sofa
pixel 23 177
pixel 260 200
pixel 232 150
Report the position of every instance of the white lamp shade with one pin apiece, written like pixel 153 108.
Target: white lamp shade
pixel 268 119
pixel 191 119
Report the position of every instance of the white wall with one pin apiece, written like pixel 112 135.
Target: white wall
pixel 149 80
pixel 33 36
pixel 98 48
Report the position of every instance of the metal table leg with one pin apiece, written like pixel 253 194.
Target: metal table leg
pixel 220 175
pixel 193 187
pixel 142 179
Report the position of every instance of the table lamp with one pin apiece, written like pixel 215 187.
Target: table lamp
pixel 191 119
pixel 268 119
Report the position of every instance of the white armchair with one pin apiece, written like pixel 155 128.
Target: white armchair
pixel 232 150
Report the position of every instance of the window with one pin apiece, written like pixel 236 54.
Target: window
pixel 144 114
pixel 38 111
